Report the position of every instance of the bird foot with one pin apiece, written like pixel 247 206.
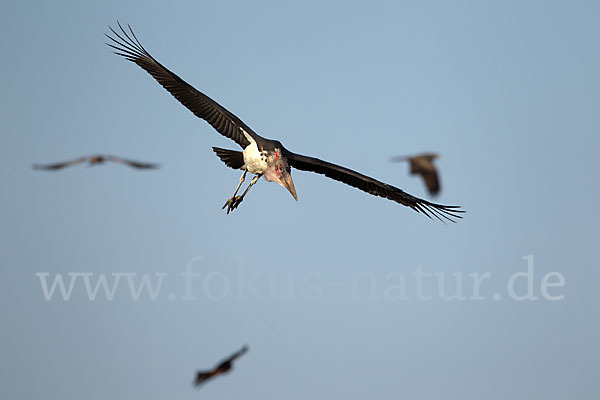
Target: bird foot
pixel 232 203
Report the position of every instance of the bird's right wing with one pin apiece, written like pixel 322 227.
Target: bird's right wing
pixel 373 186
pixel 234 356
pixel 226 123
pixel 60 165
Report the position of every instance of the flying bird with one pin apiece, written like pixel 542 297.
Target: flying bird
pixel 224 367
pixel 95 160
pixel 260 156
pixel 422 164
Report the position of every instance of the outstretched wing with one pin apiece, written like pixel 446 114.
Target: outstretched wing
pixel 227 124
pixel 373 186
pixel 132 163
pixel 432 181
pixel 233 357
pixel 60 165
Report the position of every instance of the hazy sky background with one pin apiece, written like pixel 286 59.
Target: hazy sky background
pixel 506 91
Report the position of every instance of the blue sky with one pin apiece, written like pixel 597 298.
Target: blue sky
pixel 324 291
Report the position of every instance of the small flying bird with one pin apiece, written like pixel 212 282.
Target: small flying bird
pixel 224 367
pixel 260 156
pixel 95 160
pixel 422 164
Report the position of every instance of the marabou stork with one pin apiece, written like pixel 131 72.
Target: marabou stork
pixel 260 156
pixel 224 367
pixel 422 164
pixel 95 160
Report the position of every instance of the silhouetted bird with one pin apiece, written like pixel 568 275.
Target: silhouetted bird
pixel 422 164
pixel 261 156
pixel 95 160
pixel 224 367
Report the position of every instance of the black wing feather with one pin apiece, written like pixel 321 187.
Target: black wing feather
pixel 373 186
pixel 201 105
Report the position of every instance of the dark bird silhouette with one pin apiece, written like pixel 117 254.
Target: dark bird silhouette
pixel 422 164
pixel 224 367
pixel 96 160
pixel 260 156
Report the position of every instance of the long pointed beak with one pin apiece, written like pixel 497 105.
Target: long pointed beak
pixel 288 183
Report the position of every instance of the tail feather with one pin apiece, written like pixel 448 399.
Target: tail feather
pixel 231 158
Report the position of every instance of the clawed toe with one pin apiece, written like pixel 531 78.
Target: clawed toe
pixel 232 203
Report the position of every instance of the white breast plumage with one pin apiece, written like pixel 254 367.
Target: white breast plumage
pixel 255 161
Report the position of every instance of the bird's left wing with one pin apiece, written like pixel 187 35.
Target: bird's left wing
pixel 60 165
pixel 227 124
pixel 373 186
pixel 132 163
pixel 203 376
pixel 432 181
